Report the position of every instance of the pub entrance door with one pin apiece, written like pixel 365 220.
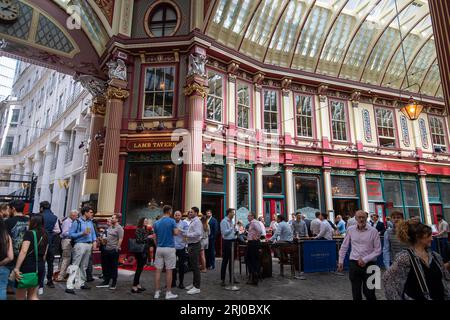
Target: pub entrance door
pixel 272 207
pixel 215 204
pixel 435 210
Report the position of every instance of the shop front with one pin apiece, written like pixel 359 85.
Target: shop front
pixel 273 195
pixel 344 191
pixel 152 181
pixel 439 197
pixel 308 190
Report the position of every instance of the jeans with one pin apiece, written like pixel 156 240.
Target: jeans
pixel 50 259
pixel 181 259
pixel 226 258
pixel 111 267
pixel 141 259
pixel 4 275
pixel 253 256
pixel 211 253
pixel 81 255
pixel 358 278
pixel 194 255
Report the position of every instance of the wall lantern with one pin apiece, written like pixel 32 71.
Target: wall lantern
pixel 412 110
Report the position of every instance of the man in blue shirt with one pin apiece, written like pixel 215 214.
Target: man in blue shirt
pixel 340 224
pixel 180 247
pixel 229 232
pixel 83 235
pixel 211 252
pixel 165 229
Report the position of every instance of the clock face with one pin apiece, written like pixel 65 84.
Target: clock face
pixel 9 10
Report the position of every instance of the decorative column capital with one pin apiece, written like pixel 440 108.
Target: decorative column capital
pixel 117 93
pixel 355 98
pixel 232 69
pixel 322 90
pixel 286 86
pixel 98 106
pixel 196 85
pixel 258 80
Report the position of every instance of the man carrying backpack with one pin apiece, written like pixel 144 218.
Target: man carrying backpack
pixel 66 244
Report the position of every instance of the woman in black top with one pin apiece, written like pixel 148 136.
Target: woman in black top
pixel 26 262
pixel 6 256
pixel 142 237
pixel 401 280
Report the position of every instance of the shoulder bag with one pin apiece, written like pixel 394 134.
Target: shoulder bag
pixel 419 274
pixel 135 247
pixel 30 280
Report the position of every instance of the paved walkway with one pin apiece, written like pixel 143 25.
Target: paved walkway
pixel 317 286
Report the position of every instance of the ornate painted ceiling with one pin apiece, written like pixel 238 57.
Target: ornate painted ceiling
pixel 388 43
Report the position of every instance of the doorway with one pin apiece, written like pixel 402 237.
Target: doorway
pixel 272 207
pixel 344 207
pixel 435 210
pixel 215 204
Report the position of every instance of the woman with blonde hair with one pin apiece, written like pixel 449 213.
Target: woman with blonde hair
pixel 417 273
pixel 204 242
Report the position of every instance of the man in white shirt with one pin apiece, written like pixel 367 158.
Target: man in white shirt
pixel 326 231
pixel 263 226
pixel 315 224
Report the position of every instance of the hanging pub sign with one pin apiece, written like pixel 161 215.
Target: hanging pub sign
pixel 150 145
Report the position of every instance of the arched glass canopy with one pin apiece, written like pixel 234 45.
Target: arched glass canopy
pixel 358 40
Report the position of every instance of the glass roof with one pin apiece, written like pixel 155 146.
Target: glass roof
pixel 362 40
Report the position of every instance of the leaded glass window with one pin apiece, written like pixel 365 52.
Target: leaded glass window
pixel 214 104
pixel 437 132
pixel 243 105
pixel 338 120
pixel 303 109
pixel 159 92
pixel 386 127
pixel 270 112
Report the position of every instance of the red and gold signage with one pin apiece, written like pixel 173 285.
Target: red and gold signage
pixel 146 145
pixel 343 163
pixel 390 166
pixel 307 160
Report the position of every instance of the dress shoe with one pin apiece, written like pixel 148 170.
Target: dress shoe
pixel 90 280
pixel 50 284
pixel 181 286
pixel 223 284
pixel 135 291
pixel 141 289
pixel 85 287
pixel 71 291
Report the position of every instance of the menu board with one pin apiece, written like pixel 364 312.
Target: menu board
pixel 374 190
pixel 343 186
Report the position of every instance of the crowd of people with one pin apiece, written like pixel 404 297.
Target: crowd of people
pixel 179 243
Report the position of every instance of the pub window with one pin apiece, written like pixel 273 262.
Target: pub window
pixel 270 112
pixel 386 127
pixel 243 105
pixel 272 183
pixel 374 190
pixel 159 92
pixel 214 105
pixel 307 195
pixel 243 193
pixel 213 178
pixel 303 109
pixel 163 20
pixel 338 121
pixel 438 134
pixel 343 186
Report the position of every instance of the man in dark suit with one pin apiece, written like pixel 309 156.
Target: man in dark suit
pixel 211 252
pixel 374 222
pixel 51 225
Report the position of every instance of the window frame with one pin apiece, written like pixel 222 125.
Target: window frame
pixel 347 122
pixel 394 121
pixel 142 90
pixel 313 116
pixel 151 10
pixel 263 111
pixel 444 128
pixel 224 97
pixel 250 107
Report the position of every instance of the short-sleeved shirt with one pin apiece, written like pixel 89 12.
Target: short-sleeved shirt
pixel 113 234
pixel 17 226
pixel 164 232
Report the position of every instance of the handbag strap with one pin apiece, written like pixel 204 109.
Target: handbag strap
pixel 35 248
pixel 419 275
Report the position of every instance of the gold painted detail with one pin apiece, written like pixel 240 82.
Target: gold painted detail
pixel 195 88
pixel 98 108
pixel 117 93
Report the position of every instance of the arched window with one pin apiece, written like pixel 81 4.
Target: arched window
pixel 163 20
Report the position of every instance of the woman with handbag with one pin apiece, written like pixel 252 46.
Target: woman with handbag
pixel 30 266
pixel 6 256
pixel 417 273
pixel 142 245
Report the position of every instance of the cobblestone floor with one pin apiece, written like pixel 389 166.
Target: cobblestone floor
pixel 317 286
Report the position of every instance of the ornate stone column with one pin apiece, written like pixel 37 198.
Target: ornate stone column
pixel 257 81
pixel 363 191
pixel 328 190
pixel 288 123
pixel 59 187
pixel 45 185
pixel 37 160
pixel 425 200
pixel 259 190
pixel 289 180
pixel 324 123
pixel 98 110
pixel 196 90
pixel 116 94
pixel 231 184
pixel 357 119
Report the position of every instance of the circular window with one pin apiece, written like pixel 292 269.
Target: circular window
pixel 162 19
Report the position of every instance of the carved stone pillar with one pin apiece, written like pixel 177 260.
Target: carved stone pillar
pixel 116 94
pixel 59 187
pixel 357 119
pixel 324 117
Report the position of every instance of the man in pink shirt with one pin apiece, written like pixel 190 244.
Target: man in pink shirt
pixel 366 247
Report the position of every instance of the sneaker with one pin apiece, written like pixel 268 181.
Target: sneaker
pixel 156 296
pixel 71 291
pixel 41 291
pixel 111 287
pixel 170 295
pixel 103 285
pixel 194 290
pixel 189 287
pixel 50 284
